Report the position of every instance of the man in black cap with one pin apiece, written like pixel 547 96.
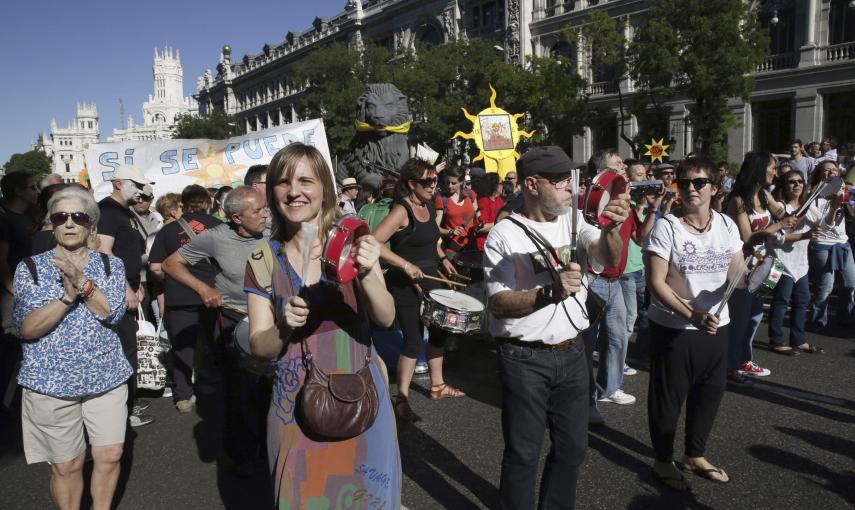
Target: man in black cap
pixel 536 295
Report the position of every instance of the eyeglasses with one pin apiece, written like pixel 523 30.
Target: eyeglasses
pixel 559 183
pixel 666 172
pixel 425 183
pixel 699 183
pixel 60 218
pixel 796 182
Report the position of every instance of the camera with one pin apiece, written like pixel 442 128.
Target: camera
pixel 639 189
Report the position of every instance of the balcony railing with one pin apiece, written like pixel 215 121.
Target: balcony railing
pixel 600 88
pixel 845 51
pixel 779 61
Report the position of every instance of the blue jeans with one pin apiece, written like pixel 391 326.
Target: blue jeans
pixel 746 313
pixel 823 277
pixel 787 291
pixel 634 288
pixel 609 334
pixel 542 389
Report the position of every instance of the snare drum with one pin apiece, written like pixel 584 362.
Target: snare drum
pixel 452 311
pixel 763 279
pixel 607 185
pixel 249 361
pixel 338 262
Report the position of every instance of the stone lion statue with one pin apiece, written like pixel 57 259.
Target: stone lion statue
pixel 382 142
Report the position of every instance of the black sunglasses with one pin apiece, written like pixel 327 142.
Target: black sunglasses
pixel 425 183
pixel 60 218
pixel 793 182
pixel 699 183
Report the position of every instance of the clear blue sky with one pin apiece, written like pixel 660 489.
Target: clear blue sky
pixel 60 52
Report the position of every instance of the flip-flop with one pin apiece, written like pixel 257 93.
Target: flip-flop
pixel 812 349
pixel 706 473
pixel 783 350
pixel 678 484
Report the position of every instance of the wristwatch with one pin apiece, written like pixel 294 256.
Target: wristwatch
pixel 548 294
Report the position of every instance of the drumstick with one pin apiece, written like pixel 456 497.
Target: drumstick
pixel 574 207
pixel 731 286
pixel 443 280
pixel 308 232
pixel 458 275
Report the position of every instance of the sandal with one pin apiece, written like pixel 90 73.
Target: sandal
pixel 783 349
pixel 811 349
pixel 445 391
pixel 706 473
pixel 403 411
pixel 677 483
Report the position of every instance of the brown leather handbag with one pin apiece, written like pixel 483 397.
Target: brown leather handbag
pixel 337 406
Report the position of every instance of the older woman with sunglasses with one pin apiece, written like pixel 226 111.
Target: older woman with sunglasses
pixel 413 235
pixel 689 256
pixel 67 303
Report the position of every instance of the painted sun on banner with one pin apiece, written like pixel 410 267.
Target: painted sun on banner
pixel 496 134
pixel 656 150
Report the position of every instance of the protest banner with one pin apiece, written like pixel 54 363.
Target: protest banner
pixel 175 164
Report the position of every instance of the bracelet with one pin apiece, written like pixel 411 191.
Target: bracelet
pixel 66 303
pixel 405 266
pixel 88 289
pixel 443 258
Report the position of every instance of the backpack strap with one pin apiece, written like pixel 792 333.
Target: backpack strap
pixel 186 227
pixel 31 265
pixel 261 260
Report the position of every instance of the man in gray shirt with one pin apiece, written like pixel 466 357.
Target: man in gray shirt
pixel 228 247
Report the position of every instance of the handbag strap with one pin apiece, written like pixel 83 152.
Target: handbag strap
pixel 307 353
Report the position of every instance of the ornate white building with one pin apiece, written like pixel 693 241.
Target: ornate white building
pixel 167 102
pixel 65 145
pixel 805 88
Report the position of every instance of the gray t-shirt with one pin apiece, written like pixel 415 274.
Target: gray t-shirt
pixel 229 250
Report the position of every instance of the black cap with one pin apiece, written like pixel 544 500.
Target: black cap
pixel 544 161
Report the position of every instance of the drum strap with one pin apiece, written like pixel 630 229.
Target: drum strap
pixel 261 261
pixel 554 263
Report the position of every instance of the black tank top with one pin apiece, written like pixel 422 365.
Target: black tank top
pixel 416 243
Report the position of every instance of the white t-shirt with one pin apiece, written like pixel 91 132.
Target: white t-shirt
pixel 829 234
pixel 512 262
pixel 794 254
pixel 697 269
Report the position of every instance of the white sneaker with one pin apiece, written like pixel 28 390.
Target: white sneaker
pixel 618 397
pixel 628 370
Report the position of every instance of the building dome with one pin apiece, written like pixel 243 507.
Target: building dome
pixel 227 50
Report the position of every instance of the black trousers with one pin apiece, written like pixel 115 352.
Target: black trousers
pixel 685 366
pixel 542 389
pixel 246 397
pixel 410 322
pixel 185 326
pixel 127 331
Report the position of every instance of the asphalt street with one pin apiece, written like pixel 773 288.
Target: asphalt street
pixel 788 442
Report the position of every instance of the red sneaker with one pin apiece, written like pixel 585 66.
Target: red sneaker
pixel 751 368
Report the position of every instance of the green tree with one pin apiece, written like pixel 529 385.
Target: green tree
pixel 217 126
pixel 702 50
pixel 34 162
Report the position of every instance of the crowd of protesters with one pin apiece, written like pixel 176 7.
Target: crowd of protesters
pixel 77 274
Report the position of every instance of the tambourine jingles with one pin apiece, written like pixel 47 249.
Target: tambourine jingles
pixel 338 261
pixel 605 186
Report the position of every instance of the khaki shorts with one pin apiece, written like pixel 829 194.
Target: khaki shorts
pixel 53 427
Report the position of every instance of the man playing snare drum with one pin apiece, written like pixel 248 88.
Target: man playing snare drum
pixel 229 246
pixel 537 295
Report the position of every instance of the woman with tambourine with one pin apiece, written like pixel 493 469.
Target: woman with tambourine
pixel 413 235
pixel 319 332
pixel 689 257
pixel 758 216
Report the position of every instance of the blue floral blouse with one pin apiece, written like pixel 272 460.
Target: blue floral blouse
pixel 82 354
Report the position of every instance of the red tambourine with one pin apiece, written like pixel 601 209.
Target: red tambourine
pixel 607 185
pixel 339 261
